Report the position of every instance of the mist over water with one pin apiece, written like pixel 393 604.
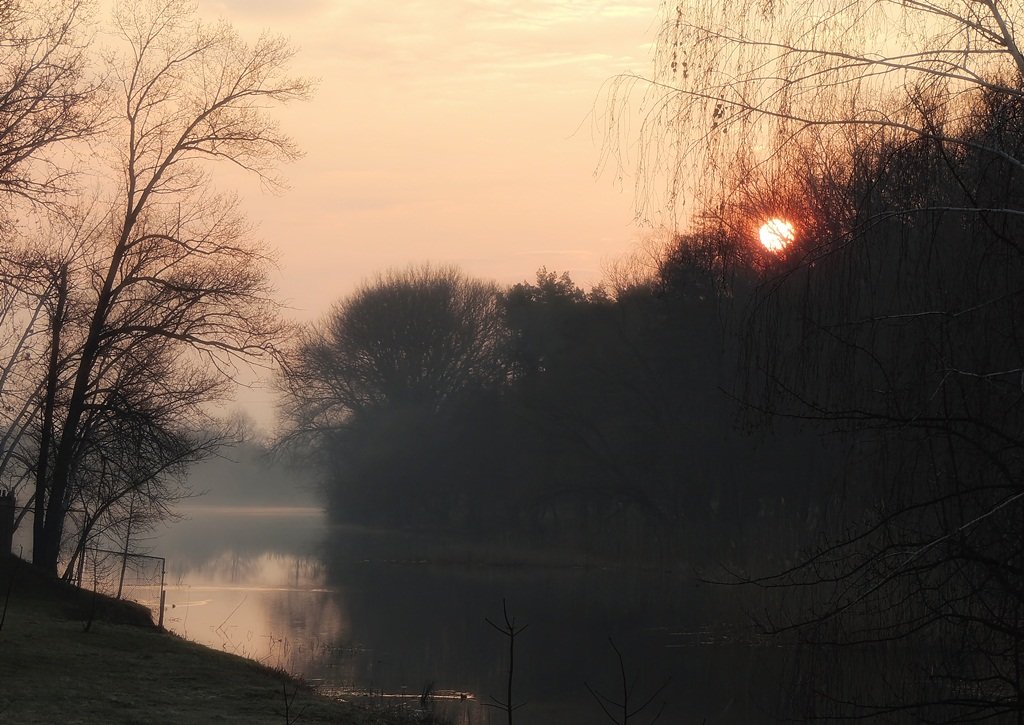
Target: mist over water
pixel 281 586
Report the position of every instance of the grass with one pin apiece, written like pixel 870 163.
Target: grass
pixel 121 669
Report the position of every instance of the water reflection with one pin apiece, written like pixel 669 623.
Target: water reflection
pixel 342 609
pixel 270 607
pixel 247 581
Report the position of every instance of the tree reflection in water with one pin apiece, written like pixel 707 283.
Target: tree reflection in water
pixel 265 585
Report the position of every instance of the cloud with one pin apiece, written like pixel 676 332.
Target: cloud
pixel 417 39
pixel 552 252
pixel 266 10
pixel 445 128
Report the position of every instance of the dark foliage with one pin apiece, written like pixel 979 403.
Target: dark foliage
pixel 904 336
pixel 610 429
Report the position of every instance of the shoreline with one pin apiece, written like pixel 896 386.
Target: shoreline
pixel 68 655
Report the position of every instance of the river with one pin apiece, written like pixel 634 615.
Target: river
pixel 340 608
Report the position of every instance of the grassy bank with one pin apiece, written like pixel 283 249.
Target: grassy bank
pixel 69 657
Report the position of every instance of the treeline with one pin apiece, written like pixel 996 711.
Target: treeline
pixel 545 414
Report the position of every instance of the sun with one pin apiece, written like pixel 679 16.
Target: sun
pixel 777 234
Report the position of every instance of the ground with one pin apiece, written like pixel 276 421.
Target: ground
pixel 69 657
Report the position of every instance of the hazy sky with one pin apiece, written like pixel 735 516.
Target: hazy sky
pixel 454 131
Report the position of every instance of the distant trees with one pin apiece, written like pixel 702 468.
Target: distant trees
pixel 424 337
pixel 138 305
pixel 629 428
pixel 599 422
pixel 377 386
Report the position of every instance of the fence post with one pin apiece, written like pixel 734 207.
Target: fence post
pixel 163 594
pixel 6 521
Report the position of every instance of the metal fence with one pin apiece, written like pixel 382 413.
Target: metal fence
pixel 124 575
pixel 132 577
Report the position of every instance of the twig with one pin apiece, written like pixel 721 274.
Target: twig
pixel 628 687
pixel 288 701
pixel 511 631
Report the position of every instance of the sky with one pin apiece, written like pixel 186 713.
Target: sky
pixel 451 131
pixel 446 131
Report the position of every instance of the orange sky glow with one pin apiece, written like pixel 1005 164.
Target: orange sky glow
pixel 450 131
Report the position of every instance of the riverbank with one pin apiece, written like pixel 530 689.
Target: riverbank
pixel 70 657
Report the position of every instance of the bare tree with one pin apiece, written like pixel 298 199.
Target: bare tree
pixel 34 284
pixel 45 95
pixel 135 446
pixel 386 391
pixel 731 82
pixel 424 337
pixel 172 288
pixel 45 105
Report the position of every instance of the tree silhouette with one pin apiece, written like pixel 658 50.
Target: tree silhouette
pixel 893 322
pixel 422 337
pixel 45 98
pixel 167 291
pixel 387 389
pixel 731 84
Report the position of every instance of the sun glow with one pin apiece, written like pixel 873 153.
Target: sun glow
pixel 777 234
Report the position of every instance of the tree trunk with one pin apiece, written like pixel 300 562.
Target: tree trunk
pixel 40 548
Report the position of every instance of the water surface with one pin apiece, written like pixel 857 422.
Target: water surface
pixel 339 608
